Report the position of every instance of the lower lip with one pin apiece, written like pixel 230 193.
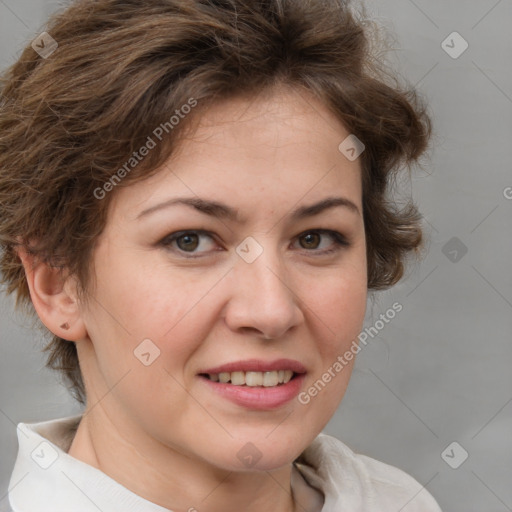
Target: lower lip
pixel 259 397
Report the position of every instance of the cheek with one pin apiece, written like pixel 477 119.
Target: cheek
pixel 342 315
pixel 145 332
pixel 143 320
pixel 149 297
pixel 337 304
pixel 338 317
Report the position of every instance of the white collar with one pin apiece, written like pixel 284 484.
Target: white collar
pixel 47 479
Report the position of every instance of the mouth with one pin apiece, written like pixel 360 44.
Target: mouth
pixel 254 372
pixel 252 379
pixel 255 390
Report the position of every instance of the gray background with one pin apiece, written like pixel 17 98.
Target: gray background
pixel 441 370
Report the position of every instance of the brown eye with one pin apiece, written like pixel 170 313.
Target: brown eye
pixel 188 242
pixel 311 240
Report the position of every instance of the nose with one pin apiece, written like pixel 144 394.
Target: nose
pixel 263 298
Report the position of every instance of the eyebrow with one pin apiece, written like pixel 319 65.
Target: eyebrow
pixel 223 211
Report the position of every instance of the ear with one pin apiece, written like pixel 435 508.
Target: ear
pixel 54 298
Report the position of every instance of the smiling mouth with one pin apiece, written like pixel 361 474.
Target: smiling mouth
pixel 252 379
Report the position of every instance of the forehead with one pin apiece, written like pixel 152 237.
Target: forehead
pixel 269 151
pixel 275 117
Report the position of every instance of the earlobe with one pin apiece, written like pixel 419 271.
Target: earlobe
pixel 53 297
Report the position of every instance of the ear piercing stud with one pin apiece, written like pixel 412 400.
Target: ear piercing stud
pixel 65 326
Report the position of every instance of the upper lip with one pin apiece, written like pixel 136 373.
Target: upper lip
pixel 257 365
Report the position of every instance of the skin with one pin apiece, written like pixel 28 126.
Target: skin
pixel 158 429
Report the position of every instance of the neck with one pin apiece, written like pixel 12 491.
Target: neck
pixel 174 480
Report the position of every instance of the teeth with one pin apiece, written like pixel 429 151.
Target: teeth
pixel 252 379
pixel 224 377
pixel 237 378
pixel 270 379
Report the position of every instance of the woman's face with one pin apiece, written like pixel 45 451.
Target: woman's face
pixel 183 289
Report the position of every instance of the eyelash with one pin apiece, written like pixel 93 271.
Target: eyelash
pixel 339 241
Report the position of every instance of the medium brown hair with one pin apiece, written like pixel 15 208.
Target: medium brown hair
pixel 122 68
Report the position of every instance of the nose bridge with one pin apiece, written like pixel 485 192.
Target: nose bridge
pixel 265 300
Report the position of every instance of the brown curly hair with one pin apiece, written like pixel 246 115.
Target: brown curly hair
pixel 68 121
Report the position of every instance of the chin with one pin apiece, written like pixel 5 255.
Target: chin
pixel 267 452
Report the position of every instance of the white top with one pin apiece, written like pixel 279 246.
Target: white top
pixel 47 479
